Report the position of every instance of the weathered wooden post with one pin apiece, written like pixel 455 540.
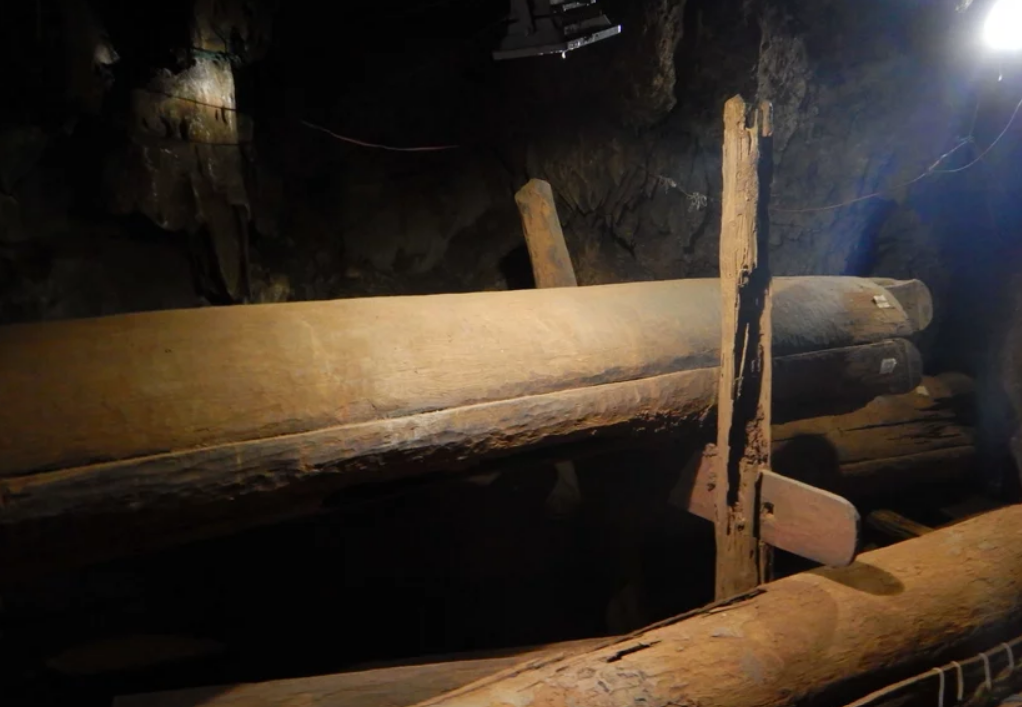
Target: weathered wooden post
pixel 551 262
pixel 743 423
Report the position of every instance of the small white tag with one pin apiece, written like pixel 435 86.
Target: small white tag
pixel 882 302
pixel 888 365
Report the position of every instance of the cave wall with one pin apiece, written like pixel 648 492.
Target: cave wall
pixel 125 185
pixel 627 132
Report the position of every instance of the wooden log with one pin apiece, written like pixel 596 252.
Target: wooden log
pixel 398 686
pixel 746 360
pixel 90 391
pixel 551 263
pixel 389 449
pixel 551 267
pixel 811 637
pixel 892 443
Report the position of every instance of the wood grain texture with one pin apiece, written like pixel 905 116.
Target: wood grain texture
pixel 97 390
pixel 792 514
pixel 402 447
pixel 744 399
pixel 551 262
pixel 398 686
pixel 894 442
pixel 812 638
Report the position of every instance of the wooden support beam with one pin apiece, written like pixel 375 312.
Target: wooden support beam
pixel 310 380
pixel 823 637
pixel 793 514
pixel 746 359
pixel 551 267
pixel 551 262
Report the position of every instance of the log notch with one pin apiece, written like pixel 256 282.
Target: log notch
pixel 809 637
pixel 746 358
pixel 398 686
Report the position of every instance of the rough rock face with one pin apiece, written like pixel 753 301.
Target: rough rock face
pixel 627 131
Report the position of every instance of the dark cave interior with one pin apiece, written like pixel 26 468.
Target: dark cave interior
pixel 122 192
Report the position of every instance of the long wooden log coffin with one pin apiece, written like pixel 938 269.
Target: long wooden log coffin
pixel 181 407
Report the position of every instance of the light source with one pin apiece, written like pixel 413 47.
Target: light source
pixel 1003 29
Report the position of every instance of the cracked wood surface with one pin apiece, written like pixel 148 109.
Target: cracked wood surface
pixel 806 637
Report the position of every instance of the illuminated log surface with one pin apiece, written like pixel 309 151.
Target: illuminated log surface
pixel 919 601
pixel 181 407
pixel 892 443
pixel 807 637
pixel 381 687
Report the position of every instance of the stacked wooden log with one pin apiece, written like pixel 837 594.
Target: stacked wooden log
pixel 268 408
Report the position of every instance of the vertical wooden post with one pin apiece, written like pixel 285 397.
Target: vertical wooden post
pixel 743 428
pixel 551 267
pixel 551 262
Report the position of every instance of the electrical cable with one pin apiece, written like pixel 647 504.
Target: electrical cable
pixel 989 149
pixel 390 148
pixel 932 170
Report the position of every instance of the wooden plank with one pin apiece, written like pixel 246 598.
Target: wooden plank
pixel 822 637
pixel 551 263
pixel 793 513
pixel 398 686
pixel 746 359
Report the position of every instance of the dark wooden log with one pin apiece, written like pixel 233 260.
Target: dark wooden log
pixel 451 440
pixel 808 638
pixel 892 443
pixel 746 361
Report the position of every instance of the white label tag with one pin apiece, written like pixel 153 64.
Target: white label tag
pixel 882 302
pixel 888 365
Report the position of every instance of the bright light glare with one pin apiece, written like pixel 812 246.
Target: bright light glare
pixel 1003 29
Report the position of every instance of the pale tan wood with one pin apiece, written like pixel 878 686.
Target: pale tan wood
pixel 551 263
pixel 115 388
pixel 398 686
pixel 894 442
pixel 92 513
pixel 792 514
pixel 746 359
pixel 821 637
